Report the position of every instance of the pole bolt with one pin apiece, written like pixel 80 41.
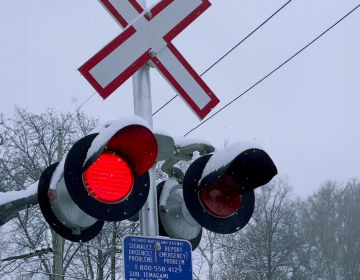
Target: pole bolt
pixel 157 247
pixel 152 53
pixel 148 14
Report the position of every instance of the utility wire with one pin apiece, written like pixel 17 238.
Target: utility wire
pixel 77 109
pixel 221 58
pixel 277 68
pixel 83 104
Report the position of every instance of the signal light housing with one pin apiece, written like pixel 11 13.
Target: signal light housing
pixel 103 178
pixel 174 219
pixel 135 148
pixel 219 188
pixel 58 225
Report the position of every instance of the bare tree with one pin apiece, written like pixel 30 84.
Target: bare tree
pixel 331 232
pixel 263 249
pixel 30 145
pixel 231 255
pixel 31 142
pixel 101 258
pixel 208 250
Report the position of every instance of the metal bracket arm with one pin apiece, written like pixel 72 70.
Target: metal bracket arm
pixel 184 153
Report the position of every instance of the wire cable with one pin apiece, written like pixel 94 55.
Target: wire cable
pixel 221 58
pixel 277 68
pixel 77 109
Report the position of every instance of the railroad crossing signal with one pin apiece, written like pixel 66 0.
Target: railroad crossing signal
pixel 105 175
pixel 218 189
pixel 103 178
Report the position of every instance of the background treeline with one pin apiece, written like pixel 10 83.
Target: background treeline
pixel 287 237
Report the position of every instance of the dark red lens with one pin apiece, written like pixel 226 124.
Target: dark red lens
pixel 109 179
pixel 221 199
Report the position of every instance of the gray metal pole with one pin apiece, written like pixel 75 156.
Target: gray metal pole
pixel 0 244
pixel 143 108
pixel 58 241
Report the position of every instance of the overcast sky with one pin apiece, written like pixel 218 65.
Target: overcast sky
pixel 306 115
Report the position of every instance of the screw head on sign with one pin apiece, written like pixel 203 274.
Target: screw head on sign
pixel 148 14
pixel 157 247
pixel 152 53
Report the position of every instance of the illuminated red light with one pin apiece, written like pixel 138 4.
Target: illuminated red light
pixel 221 199
pixel 109 179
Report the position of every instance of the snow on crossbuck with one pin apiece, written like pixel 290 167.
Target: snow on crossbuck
pixel 147 38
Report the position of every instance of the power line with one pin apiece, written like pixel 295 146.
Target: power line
pixel 246 37
pixel 165 104
pixel 77 109
pixel 277 68
pixel 221 58
pixel 83 104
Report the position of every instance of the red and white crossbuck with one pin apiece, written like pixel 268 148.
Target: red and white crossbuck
pixel 147 37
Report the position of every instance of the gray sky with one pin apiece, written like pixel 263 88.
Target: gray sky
pixel 305 115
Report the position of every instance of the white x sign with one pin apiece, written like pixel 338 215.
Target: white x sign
pixel 147 37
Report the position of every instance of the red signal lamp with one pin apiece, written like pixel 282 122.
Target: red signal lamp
pixel 219 188
pixel 106 174
pixel 222 198
pixel 109 179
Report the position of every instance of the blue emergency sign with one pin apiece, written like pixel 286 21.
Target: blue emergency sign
pixel 149 258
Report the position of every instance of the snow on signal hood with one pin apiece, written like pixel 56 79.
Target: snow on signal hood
pixel 224 157
pixel 106 134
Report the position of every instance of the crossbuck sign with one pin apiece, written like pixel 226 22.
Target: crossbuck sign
pixel 146 38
